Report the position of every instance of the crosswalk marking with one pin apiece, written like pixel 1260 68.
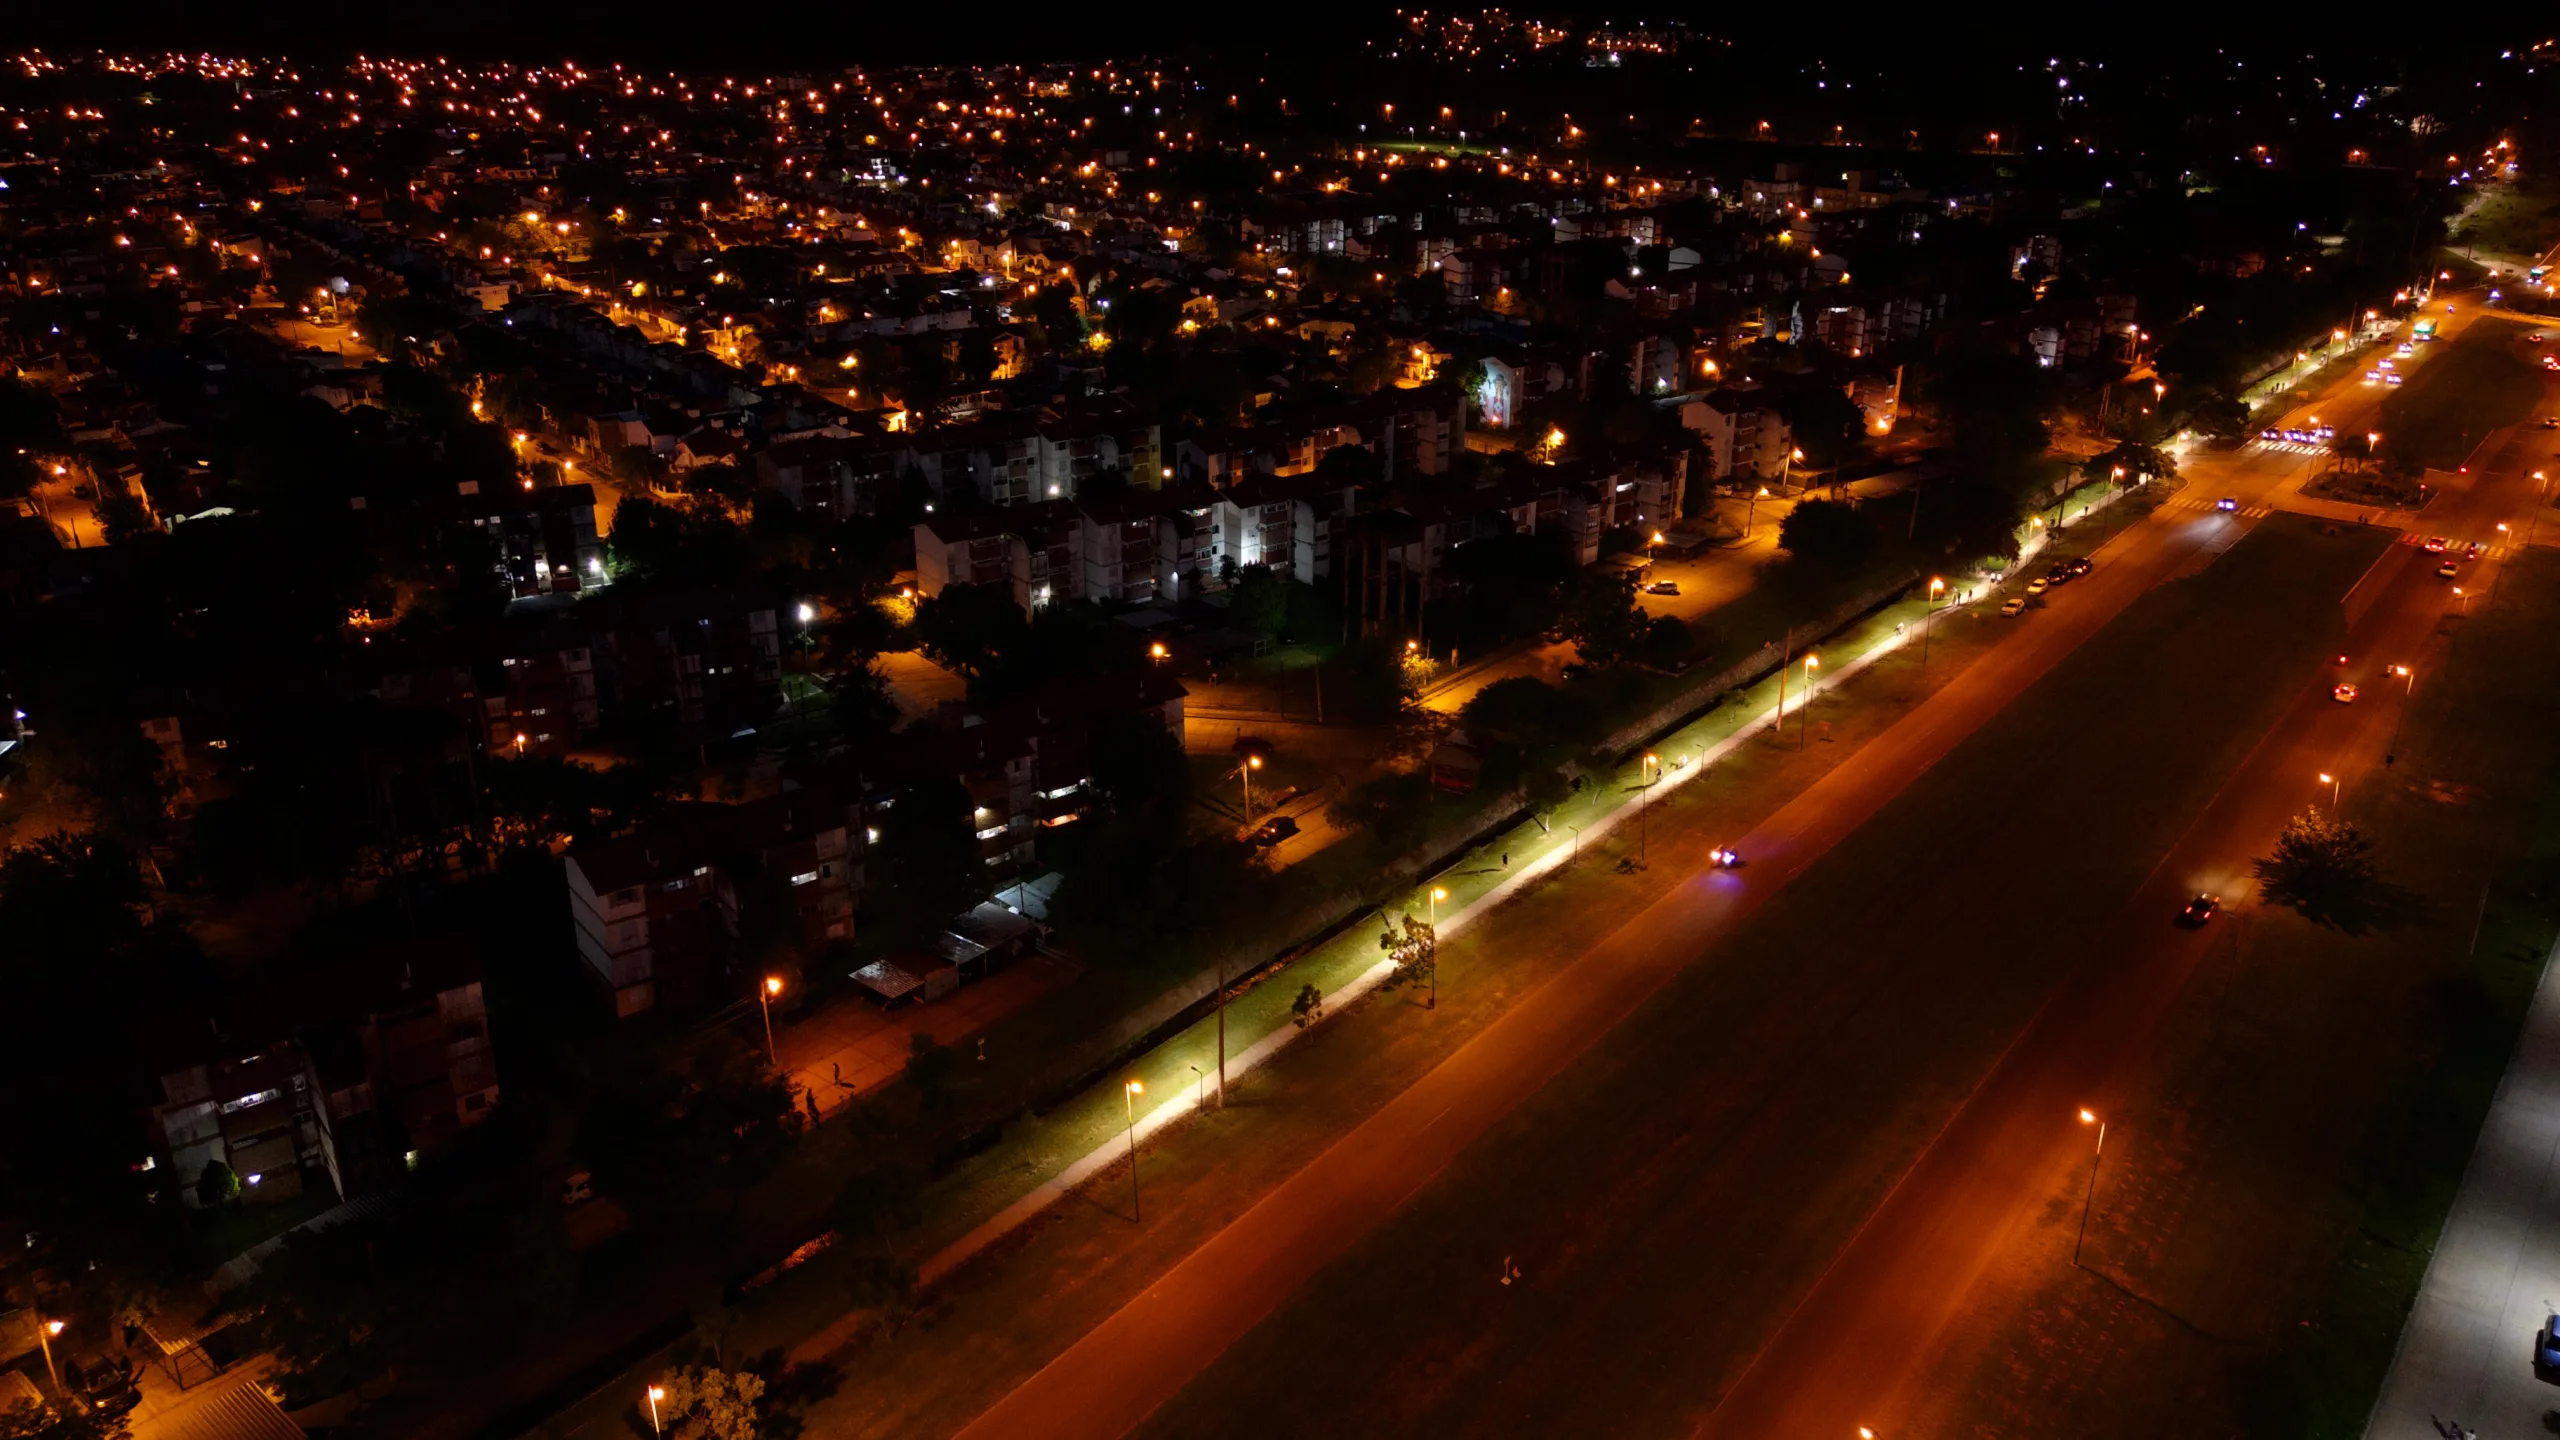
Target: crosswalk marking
pixel 2246 512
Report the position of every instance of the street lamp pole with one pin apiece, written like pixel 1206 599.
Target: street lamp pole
pixel 2337 787
pixel 2096 1157
pixel 1251 764
pixel 771 987
pixel 45 1331
pixel 1437 895
pixel 1644 798
pixel 1222 1030
pixel 1805 726
pixel 1929 616
pixel 1129 1094
pixel 656 1394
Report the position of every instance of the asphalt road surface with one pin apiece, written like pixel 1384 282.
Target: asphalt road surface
pixel 1114 1377
pixel 1812 1362
pixel 1841 1359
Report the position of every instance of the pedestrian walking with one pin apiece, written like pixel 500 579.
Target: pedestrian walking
pixel 1506 859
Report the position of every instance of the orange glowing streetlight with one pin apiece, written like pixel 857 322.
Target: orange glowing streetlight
pixel 1812 663
pixel 656 1394
pixel 2336 786
pixel 1929 617
pixel 1129 1094
pixel 1156 652
pixel 771 987
pixel 1432 1001
pixel 2096 1156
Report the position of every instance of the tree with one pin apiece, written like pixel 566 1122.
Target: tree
pixel 1259 600
pixel 217 1186
pixel 1831 536
pixel 1966 518
pixel 1307 1007
pixel 122 516
pixel 1828 426
pixel 1415 950
pixel 1600 616
pixel 925 866
pixel 2323 868
pixel 720 1404
pixel 972 628
pixel 1668 643
pixel 1394 807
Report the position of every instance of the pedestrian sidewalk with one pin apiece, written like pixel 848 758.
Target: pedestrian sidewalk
pixel 2466 1351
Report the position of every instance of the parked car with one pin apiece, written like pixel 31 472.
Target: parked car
pixel 1274 830
pixel 2199 910
pixel 2036 587
pixel 2546 1351
pixel 1663 587
pixel 2013 606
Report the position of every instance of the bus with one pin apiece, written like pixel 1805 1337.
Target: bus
pixel 2423 330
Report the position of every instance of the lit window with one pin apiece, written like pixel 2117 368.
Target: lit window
pixel 805 877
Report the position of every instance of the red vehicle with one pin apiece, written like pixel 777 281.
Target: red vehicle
pixel 2433 545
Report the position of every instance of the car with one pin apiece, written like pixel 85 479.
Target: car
pixel 1663 587
pixel 2386 363
pixel 2448 570
pixel 2037 587
pixel 2551 422
pixel 2082 565
pixel 2199 910
pixel 1272 831
pixel 2546 1350
pixel 2326 432
pixel 2551 362
pixel 2059 573
pixel 2373 375
pixel 2227 504
pixel 2536 338
pixel 2433 544
pixel 2343 693
pixel 2406 349
pixel 2013 606
pixel 2390 379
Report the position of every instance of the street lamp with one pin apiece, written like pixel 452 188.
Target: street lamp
pixel 1928 616
pixel 2336 786
pixel 656 1394
pixel 2405 673
pixel 44 1337
pixel 1129 1094
pixel 1156 652
pixel 1251 764
pixel 1644 796
pixel 1805 709
pixel 771 987
pixel 1437 895
pixel 2462 600
pixel 1750 508
pixel 2095 1157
